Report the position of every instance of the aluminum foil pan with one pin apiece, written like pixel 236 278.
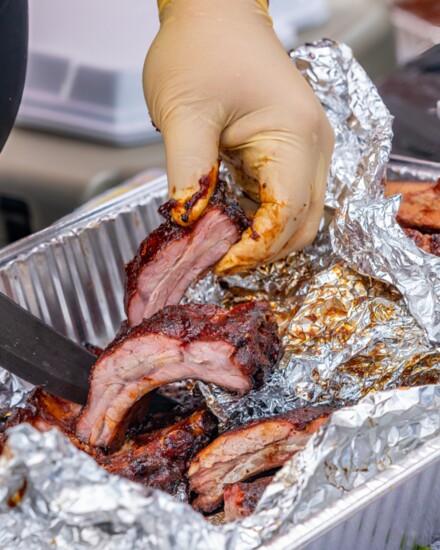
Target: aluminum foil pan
pixel 346 335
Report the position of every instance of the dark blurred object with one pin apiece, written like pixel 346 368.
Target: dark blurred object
pixel 426 9
pixel 412 94
pixel 14 220
pixel 13 59
pixel 416 27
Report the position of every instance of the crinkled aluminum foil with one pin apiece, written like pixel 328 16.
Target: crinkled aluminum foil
pixel 13 391
pixel 357 443
pixel 365 233
pixel 346 336
pixel 54 496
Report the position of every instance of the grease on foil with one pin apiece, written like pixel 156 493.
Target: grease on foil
pixel 346 336
pixel 54 496
pixel 365 233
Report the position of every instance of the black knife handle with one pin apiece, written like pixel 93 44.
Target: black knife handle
pixel 13 61
pixel 37 353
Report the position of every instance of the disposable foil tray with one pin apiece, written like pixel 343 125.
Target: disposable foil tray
pixel 71 276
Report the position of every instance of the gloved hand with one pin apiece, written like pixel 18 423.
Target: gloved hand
pixel 217 80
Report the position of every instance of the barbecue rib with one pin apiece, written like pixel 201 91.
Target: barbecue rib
pixel 231 349
pixel 255 447
pixel 421 210
pixel 160 459
pixel 406 187
pixel 241 499
pixel 172 257
pixel 157 459
pixel 428 243
pixel 45 412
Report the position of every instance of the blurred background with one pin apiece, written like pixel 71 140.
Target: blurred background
pixel 83 127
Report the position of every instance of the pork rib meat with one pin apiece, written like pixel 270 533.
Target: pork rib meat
pixel 232 349
pixel 428 243
pixel 172 257
pixel 241 499
pixel 160 459
pixel 421 210
pixel 156 459
pixel 253 448
pixel 45 412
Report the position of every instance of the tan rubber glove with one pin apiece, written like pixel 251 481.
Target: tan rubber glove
pixel 217 80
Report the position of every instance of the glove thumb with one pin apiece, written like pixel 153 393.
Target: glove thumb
pixel 192 151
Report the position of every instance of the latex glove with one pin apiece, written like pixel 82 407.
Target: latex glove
pixel 217 80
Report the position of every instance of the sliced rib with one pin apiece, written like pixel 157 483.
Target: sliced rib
pixel 232 349
pixel 253 448
pixel 428 243
pixel 241 499
pixel 172 257
pixel 156 459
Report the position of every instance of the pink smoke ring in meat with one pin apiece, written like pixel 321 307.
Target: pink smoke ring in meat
pixel 172 257
pixel 232 349
pixel 251 449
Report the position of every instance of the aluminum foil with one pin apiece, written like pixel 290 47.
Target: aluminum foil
pixel 13 391
pixel 346 336
pixel 356 444
pixel 360 120
pixel 365 233
pixel 54 496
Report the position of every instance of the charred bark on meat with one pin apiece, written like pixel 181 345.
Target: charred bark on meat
pixel 232 349
pixel 172 257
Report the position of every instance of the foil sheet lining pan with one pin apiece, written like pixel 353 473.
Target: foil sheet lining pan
pixel 365 234
pixel 347 335
pixel 53 496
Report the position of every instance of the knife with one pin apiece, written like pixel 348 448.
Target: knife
pixel 42 356
pixel 37 353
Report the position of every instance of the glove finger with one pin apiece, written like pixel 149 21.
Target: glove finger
pixel 264 239
pixel 235 164
pixel 191 148
pixel 310 226
pixel 287 173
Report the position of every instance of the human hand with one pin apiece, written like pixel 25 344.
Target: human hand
pixel 217 80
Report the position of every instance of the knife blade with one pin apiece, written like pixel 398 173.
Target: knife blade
pixel 37 353
pixel 34 351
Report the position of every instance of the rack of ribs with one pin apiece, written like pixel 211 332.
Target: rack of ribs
pixel 156 459
pixel 251 449
pixel 172 257
pixel 241 499
pixel 232 349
